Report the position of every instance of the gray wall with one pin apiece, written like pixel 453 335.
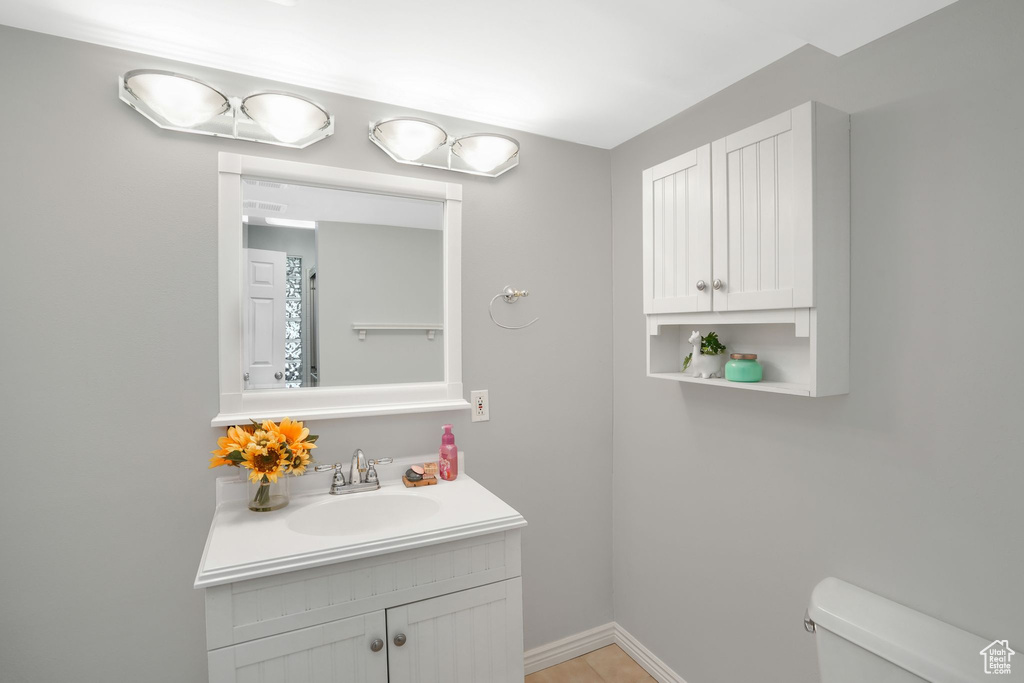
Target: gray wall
pixel 379 274
pixel 730 505
pixel 110 366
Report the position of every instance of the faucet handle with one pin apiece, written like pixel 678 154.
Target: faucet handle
pixel 371 472
pixel 339 474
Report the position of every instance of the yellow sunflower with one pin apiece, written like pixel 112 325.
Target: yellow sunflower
pixel 296 435
pixel 217 461
pixel 268 433
pixel 231 447
pixel 298 441
pixel 300 459
pixel 266 448
pixel 269 460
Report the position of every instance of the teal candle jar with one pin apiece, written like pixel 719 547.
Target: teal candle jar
pixel 743 367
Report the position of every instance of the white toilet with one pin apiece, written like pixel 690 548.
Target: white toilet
pixel 864 638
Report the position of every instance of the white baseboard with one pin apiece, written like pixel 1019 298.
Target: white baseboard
pixel 581 643
pixel 569 648
pixel 658 669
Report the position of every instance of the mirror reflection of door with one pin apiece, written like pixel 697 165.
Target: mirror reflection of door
pixel 297 248
pixel 263 319
pixel 363 288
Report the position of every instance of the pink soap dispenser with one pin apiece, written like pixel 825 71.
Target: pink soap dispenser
pixel 448 462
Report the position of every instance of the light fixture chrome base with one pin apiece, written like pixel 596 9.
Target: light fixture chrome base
pixel 233 124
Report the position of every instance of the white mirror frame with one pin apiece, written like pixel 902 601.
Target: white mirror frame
pixel 312 403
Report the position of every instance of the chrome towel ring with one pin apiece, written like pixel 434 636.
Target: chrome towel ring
pixel 511 296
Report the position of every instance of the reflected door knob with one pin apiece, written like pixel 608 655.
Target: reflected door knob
pixel 400 640
pixel 278 375
pixel 377 645
pixel 700 285
pixel 717 284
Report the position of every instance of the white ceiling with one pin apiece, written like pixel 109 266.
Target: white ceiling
pixel 268 199
pixel 596 72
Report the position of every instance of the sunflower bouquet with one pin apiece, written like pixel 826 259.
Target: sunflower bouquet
pixel 268 451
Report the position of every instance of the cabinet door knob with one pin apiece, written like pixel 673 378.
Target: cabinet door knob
pixel 717 284
pixel 278 375
pixel 700 285
pixel 377 645
pixel 400 640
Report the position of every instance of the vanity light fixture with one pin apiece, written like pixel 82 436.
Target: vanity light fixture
pixel 289 118
pixel 184 101
pixel 424 143
pixel 485 151
pixel 410 138
pixel 186 104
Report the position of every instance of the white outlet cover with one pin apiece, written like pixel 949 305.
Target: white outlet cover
pixel 480 405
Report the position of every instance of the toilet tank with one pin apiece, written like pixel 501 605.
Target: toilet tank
pixel 864 638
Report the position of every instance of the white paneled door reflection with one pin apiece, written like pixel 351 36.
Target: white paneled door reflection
pixel 263 321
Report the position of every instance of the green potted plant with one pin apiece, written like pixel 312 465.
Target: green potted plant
pixel 707 356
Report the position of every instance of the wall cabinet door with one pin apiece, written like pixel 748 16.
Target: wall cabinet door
pixel 473 636
pixel 336 652
pixel 762 217
pixel 677 234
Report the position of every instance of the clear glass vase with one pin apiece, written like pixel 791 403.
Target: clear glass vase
pixel 266 496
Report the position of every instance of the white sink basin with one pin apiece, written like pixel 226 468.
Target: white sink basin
pixel 361 513
pixel 317 529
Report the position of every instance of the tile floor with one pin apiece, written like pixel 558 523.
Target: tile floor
pixel 607 665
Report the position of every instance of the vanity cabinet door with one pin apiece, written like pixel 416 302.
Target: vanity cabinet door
pixel 473 636
pixel 336 652
pixel 677 234
pixel 762 214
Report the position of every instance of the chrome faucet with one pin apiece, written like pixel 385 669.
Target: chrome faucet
pixel 357 472
pixel 362 475
pixel 338 482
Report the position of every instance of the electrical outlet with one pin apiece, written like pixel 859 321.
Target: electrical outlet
pixel 480 405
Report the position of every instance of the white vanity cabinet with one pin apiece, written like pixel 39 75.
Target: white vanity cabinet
pixel 474 635
pixel 748 236
pixel 335 651
pixel 447 613
pixel 399 585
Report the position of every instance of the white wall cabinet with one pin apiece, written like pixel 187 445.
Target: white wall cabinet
pixel 762 237
pixel 677 234
pixel 447 613
pixel 749 237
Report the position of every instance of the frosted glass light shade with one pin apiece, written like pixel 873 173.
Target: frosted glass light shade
pixel 410 138
pixel 486 151
pixel 289 118
pixel 183 101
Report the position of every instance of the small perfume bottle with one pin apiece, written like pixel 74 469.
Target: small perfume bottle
pixel 448 462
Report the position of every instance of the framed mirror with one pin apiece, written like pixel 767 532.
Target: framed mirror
pixel 339 292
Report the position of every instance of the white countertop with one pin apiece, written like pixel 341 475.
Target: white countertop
pixel 246 545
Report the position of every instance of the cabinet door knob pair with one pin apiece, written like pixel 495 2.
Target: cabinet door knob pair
pixel 717 284
pixel 377 645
